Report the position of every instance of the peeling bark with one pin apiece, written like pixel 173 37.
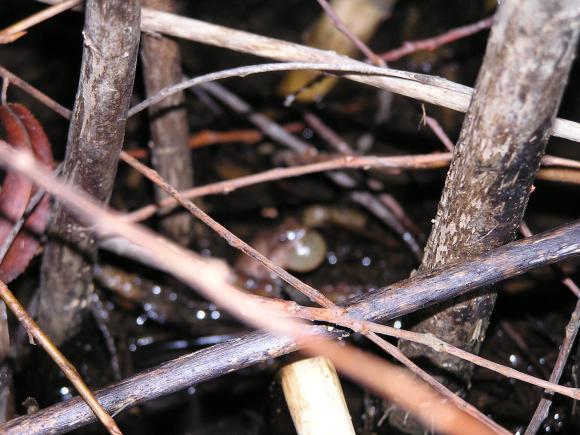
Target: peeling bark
pixel 111 40
pixel 168 124
pixel 504 134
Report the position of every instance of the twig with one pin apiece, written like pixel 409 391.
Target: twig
pixel 435 42
pixel 326 133
pixel 18 29
pixel 343 28
pixel 95 138
pixel 570 176
pixel 425 161
pixel 438 131
pixel 168 123
pixel 243 71
pixel 40 96
pixel 67 368
pixel 205 138
pixel 543 408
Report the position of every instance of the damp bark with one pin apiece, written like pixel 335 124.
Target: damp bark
pixel 168 125
pixel 96 132
pixel 503 137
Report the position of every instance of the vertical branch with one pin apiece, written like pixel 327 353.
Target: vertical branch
pixel 168 125
pixel 111 39
pixel 504 134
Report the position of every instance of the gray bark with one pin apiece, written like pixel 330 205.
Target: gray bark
pixel 168 124
pixel 504 134
pixel 111 40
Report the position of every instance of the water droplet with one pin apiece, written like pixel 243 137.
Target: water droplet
pixel 331 258
pixel 398 324
pixel 200 314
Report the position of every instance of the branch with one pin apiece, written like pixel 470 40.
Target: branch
pixel 429 89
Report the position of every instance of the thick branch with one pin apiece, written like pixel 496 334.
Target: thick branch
pixel 503 138
pixel 111 37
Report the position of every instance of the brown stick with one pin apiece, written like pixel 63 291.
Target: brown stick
pixel 435 42
pixel 494 166
pixel 67 368
pixel 343 28
pixel 95 139
pixel 17 30
pixel 168 122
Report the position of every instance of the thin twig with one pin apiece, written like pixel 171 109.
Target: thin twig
pixel 67 368
pixel 343 28
pixel 206 138
pixel 543 408
pixel 435 42
pixel 243 71
pixel 40 96
pixel 18 29
pixel 425 161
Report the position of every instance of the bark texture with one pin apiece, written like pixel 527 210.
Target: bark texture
pixel 168 124
pixel 383 304
pixel 111 40
pixel 504 134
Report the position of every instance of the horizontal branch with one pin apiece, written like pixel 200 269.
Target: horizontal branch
pixel 383 304
pixel 430 89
